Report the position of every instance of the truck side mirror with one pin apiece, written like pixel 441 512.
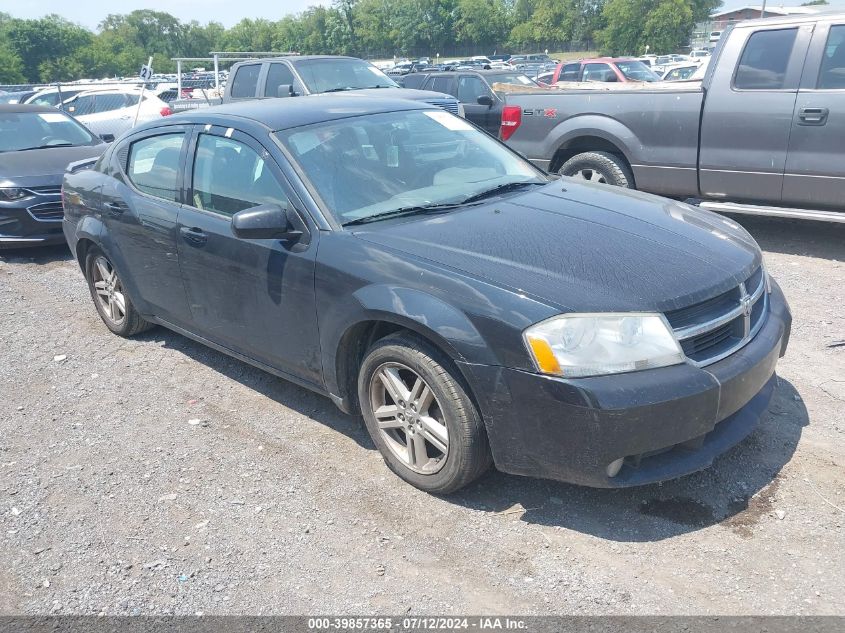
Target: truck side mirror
pixel 285 90
pixel 485 100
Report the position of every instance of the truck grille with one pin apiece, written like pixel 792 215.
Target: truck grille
pixel 47 211
pixel 450 105
pixel 713 329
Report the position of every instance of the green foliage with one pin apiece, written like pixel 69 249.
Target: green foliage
pixel 52 48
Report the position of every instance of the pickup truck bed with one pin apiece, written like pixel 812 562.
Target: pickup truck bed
pixel 762 133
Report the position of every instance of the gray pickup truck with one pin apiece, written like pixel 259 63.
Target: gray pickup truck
pixel 763 133
pixel 298 75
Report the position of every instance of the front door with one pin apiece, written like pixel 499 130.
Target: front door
pixel 470 88
pixel 255 297
pixel 815 164
pixel 748 113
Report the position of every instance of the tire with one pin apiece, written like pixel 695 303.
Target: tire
pixel 444 412
pixel 106 291
pixel 602 167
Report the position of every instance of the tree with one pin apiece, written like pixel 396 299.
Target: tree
pixel 49 39
pixel 11 66
pixel 662 25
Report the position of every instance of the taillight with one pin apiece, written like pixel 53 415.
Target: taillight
pixel 165 111
pixel 511 119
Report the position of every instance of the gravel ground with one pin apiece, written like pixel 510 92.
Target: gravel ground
pixel 273 502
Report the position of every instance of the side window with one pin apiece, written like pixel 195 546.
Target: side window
pixel 832 71
pixel 154 165
pixel 597 72
pixel 570 72
pixel 278 75
pixel 442 84
pixel 246 81
pixel 50 99
pixel 82 105
pixel 108 102
pixel 470 88
pixel 230 176
pixel 765 59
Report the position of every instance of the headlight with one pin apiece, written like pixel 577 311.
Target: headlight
pixel 576 345
pixel 12 193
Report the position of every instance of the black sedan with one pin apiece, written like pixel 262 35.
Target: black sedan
pixel 412 268
pixel 36 145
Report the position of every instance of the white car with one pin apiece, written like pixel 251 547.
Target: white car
pixel 679 72
pixel 113 111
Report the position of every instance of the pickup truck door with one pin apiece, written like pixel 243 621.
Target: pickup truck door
pixel 748 112
pixel 815 164
pixel 470 88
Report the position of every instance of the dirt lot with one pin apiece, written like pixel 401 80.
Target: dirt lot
pixel 275 502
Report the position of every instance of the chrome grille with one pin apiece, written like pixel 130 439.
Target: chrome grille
pixel 713 329
pixel 47 211
pixel 450 105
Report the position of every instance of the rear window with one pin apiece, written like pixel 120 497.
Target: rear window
pixel 765 59
pixel 154 165
pixel 441 84
pixel 245 82
pixel 570 72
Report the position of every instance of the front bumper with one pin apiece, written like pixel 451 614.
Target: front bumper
pixel 33 221
pixel 665 422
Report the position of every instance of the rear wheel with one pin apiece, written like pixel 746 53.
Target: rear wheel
pixel 602 167
pixel 112 303
pixel 420 416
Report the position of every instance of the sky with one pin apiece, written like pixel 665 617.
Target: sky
pixel 90 12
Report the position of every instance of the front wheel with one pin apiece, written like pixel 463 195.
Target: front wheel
pixel 602 167
pixel 420 416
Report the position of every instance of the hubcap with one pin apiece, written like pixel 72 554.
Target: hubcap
pixel 590 174
pixel 109 291
pixel 409 418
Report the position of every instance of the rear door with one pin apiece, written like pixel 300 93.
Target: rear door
pixel 748 113
pixel 255 297
pixel 141 202
pixel 815 164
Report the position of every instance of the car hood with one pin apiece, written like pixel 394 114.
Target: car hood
pixel 582 247
pixel 23 168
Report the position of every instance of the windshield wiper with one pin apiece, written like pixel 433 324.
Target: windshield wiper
pixel 404 211
pixel 341 89
pixel 26 149
pixel 508 186
pixel 378 86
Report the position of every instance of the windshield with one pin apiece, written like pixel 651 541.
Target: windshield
pixel 325 75
pixel 637 71
pixel 372 165
pixel 31 130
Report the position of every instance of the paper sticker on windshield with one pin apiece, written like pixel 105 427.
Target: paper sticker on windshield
pixel 52 117
pixel 447 120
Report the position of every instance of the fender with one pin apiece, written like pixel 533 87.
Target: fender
pixel 598 125
pixel 114 255
pixel 89 228
pixel 430 317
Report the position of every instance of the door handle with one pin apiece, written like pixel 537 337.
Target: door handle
pixel 116 208
pixel 812 116
pixel 194 236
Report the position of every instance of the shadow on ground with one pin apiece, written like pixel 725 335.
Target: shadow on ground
pixel 796 237
pixel 40 255
pixel 735 491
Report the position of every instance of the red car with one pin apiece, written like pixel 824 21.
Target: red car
pixel 604 69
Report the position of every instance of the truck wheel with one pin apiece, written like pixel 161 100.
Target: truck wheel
pixel 420 416
pixel 602 167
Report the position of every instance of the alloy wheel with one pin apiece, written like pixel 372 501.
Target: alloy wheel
pixel 592 175
pixel 409 418
pixel 109 290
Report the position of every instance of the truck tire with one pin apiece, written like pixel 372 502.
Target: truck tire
pixel 420 416
pixel 602 167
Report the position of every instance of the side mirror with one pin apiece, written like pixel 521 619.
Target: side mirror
pixel 268 222
pixel 108 138
pixel 485 100
pixel 285 90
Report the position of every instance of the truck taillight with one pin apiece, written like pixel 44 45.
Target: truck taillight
pixel 511 119
pixel 165 111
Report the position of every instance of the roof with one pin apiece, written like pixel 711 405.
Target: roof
pixel 771 10
pixel 788 20
pixel 294 58
pixel 279 114
pixel 24 107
